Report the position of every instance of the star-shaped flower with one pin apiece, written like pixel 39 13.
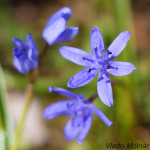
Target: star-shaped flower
pixel 25 54
pixel 55 31
pixel 98 63
pixel 81 111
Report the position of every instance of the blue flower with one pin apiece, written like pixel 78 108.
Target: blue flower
pixel 25 54
pixel 98 63
pixel 55 31
pixel 81 111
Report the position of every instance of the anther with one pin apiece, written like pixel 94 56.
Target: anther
pixel 109 53
pixel 108 67
pixel 96 53
pixel 95 49
pixel 84 58
pixel 89 70
pixel 101 78
pixel 88 59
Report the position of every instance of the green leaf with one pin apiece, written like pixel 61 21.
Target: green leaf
pixel 4 121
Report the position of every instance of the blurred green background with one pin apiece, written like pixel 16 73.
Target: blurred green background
pixel 131 110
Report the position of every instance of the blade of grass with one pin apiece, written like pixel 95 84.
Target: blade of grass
pixel 3 111
pixel 2 140
pixel 124 21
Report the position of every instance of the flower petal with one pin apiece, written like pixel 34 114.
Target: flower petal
pixel 31 43
pixel 85 129
pixel 118 45
pixel 104 89
pixel 77 120
pixel 75 55
pixel 64 12
pixel 57 109
pixel 97 43
pixel 71 131
pixel 119 68
pixel 32 52
pixel 19 45
pixel 18 65
pixel 67 35
pixel 82 78
pixel 102 116
pixel 63 92
pixel 18 42
pixel 52 32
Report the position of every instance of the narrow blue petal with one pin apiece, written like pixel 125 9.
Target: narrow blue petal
pixel 23 64
pixel 33 63
pixel 67 35
pixel 57 109
pixel 75 55
pixel 104 89
pixel 77 120
pixel 16 51
pixel 63 92
pixel 32 52
pixel 85 129
pixel 52 32
pixel 64 12
pixel 31 43
pixel 118 68
pixel 82 78
pixel 17 64
pixel 28 65
pixel 19 43
pixel 118 45
pixel 102 116
pixel 97 43
pixel 71 131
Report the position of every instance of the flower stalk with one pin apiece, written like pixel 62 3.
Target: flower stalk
pixel 29 94
pixel 93 97
pixel 28 99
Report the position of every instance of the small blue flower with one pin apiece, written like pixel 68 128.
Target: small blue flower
pixel 25 54
pixel 99 63
pixel 81 111
pixel 55 31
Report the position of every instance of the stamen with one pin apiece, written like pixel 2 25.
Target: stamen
pixel 108 67
pixel 89 70
pixel 101 78
pixel 89 60
pixel 96 54
pixel 116 68
pixel 109 53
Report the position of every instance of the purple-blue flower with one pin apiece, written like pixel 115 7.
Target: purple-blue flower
pixel 80 110
pixel 55 31
pixel 98 63
pixel 25 54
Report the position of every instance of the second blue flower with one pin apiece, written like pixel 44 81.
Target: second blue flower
pixel 98 63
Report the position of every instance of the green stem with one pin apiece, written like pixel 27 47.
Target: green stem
pixel 29 94
pixel 93 97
